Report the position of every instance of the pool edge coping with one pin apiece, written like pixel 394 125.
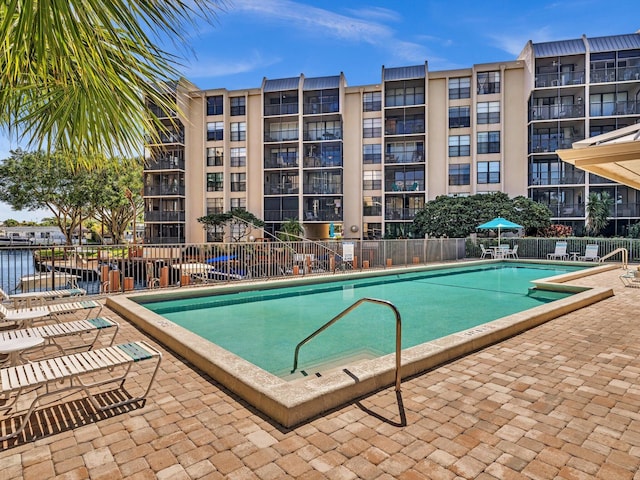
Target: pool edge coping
pixel 292 402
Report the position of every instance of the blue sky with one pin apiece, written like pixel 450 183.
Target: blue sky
pixel 253 39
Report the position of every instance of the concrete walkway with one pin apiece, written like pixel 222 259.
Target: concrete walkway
pixel 561 401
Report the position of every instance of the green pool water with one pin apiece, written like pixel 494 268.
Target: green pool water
pixel 264 326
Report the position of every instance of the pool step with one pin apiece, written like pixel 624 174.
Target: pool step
pixel 322 368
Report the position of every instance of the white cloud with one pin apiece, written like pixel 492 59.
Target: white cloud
pixel 513 43
pixel 218 67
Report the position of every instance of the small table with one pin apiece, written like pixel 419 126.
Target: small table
pixel 574 256
pixel 14 348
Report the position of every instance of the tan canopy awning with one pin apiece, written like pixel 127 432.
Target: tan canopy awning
pixel 614 155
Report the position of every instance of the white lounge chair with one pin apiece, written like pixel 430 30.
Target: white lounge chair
pixel 560 252
pixel 513 252
pixel 590 254
pixel 24 317
pixel 78 372
pixel 87 331
pixel 28 298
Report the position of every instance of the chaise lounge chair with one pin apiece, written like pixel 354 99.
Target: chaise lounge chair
pixel 78 372
pixel 560 252
pixel 40 298
pixel 24 317
pixel 87 331
pixel 590 254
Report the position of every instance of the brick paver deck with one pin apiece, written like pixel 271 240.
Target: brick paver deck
pixel 561 401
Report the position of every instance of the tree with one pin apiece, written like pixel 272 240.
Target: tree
pixel 10 222
pixel 291 230
pixel 239 222
pixel 75 74
pixel 460 216
pixel 120 198
pixel 598 207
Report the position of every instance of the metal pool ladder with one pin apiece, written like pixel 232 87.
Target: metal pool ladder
pixel 349 309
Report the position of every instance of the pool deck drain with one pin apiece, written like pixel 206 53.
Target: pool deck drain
pixel 292 402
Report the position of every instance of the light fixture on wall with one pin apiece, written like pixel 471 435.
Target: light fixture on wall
pixel 354 228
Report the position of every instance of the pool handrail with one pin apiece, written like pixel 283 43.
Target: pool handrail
pixel 349 309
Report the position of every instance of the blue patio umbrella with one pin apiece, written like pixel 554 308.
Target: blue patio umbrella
pixel 221 258
pixel 499 223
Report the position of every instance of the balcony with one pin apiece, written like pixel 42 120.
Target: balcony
pixel 554 112
pixel 329 134
pixel 404 157
pixel 559 79
pixel 607 109
pixel 400 213
pixel 317 108
pixel 280 215
pixel 159 216
pixel 165 163
pixel 163 190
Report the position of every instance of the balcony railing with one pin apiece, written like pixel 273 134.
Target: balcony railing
pixel 330 134
pixel 160 216
pixel 404 157
pixel 551 145
pixel 552 112
pixel 557 79
pixel 317 108
pixel 165 164
pixel 322 161
pixel 162 190
pixel 281 109
pixel 605 109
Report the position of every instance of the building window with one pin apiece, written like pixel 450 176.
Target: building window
pixel 372 101
pixel 488 172
pixel 215 182
pixel 488 112
pixel 460 174
pixel 215 130
pixel 372 206
pixel 238 106
pixel 215 205
pixel 372 180
pixel 238 204
pixel 372 153
pixel 215 157
pixel 238 131
pixel 459 117
pixel 238 157
pixel 214 105
pixel 459 88
pixel 488 142
pixel 372 128
pixel 459 145
pixel 403 96
pixel 488 82
pixel 372 231
pixel 238 182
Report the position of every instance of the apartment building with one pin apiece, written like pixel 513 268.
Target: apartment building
pixel 360 161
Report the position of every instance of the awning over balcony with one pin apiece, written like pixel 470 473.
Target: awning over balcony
pixel 614 155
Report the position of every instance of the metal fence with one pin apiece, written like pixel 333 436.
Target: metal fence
pixel 119 268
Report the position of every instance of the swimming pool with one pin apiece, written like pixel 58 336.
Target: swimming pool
pixel 290 402
pixel 432 304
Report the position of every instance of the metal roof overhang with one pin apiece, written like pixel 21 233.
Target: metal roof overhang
pixel 614 155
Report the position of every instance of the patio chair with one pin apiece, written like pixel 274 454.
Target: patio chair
pixel 560 252
pixel 24 317
pixel 485 252
pixel 513 252
pixel 87 331
pixel 75 372
pixel 590 254
pixel 27 298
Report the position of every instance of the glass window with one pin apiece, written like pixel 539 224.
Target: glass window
pixel 238 106
pixel 238 182
pixel 238 204
pixel 460 174
pixel 372 128
pixel 488 142
pixel 459 88
pixel 372 153
pixel 488 82
pixel 215 156
pixel 459 145
pixel 214 105
pixel 215 205
pixel 372 180
pixel 215 182
pixel 488 172
pixel 238 131
pixel 372 206
pixel 371 101
pixel 215 130
pixel 488 112
pixel 459 117
pixel 238 157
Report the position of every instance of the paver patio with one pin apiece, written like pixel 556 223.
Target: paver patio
pixel 561 401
